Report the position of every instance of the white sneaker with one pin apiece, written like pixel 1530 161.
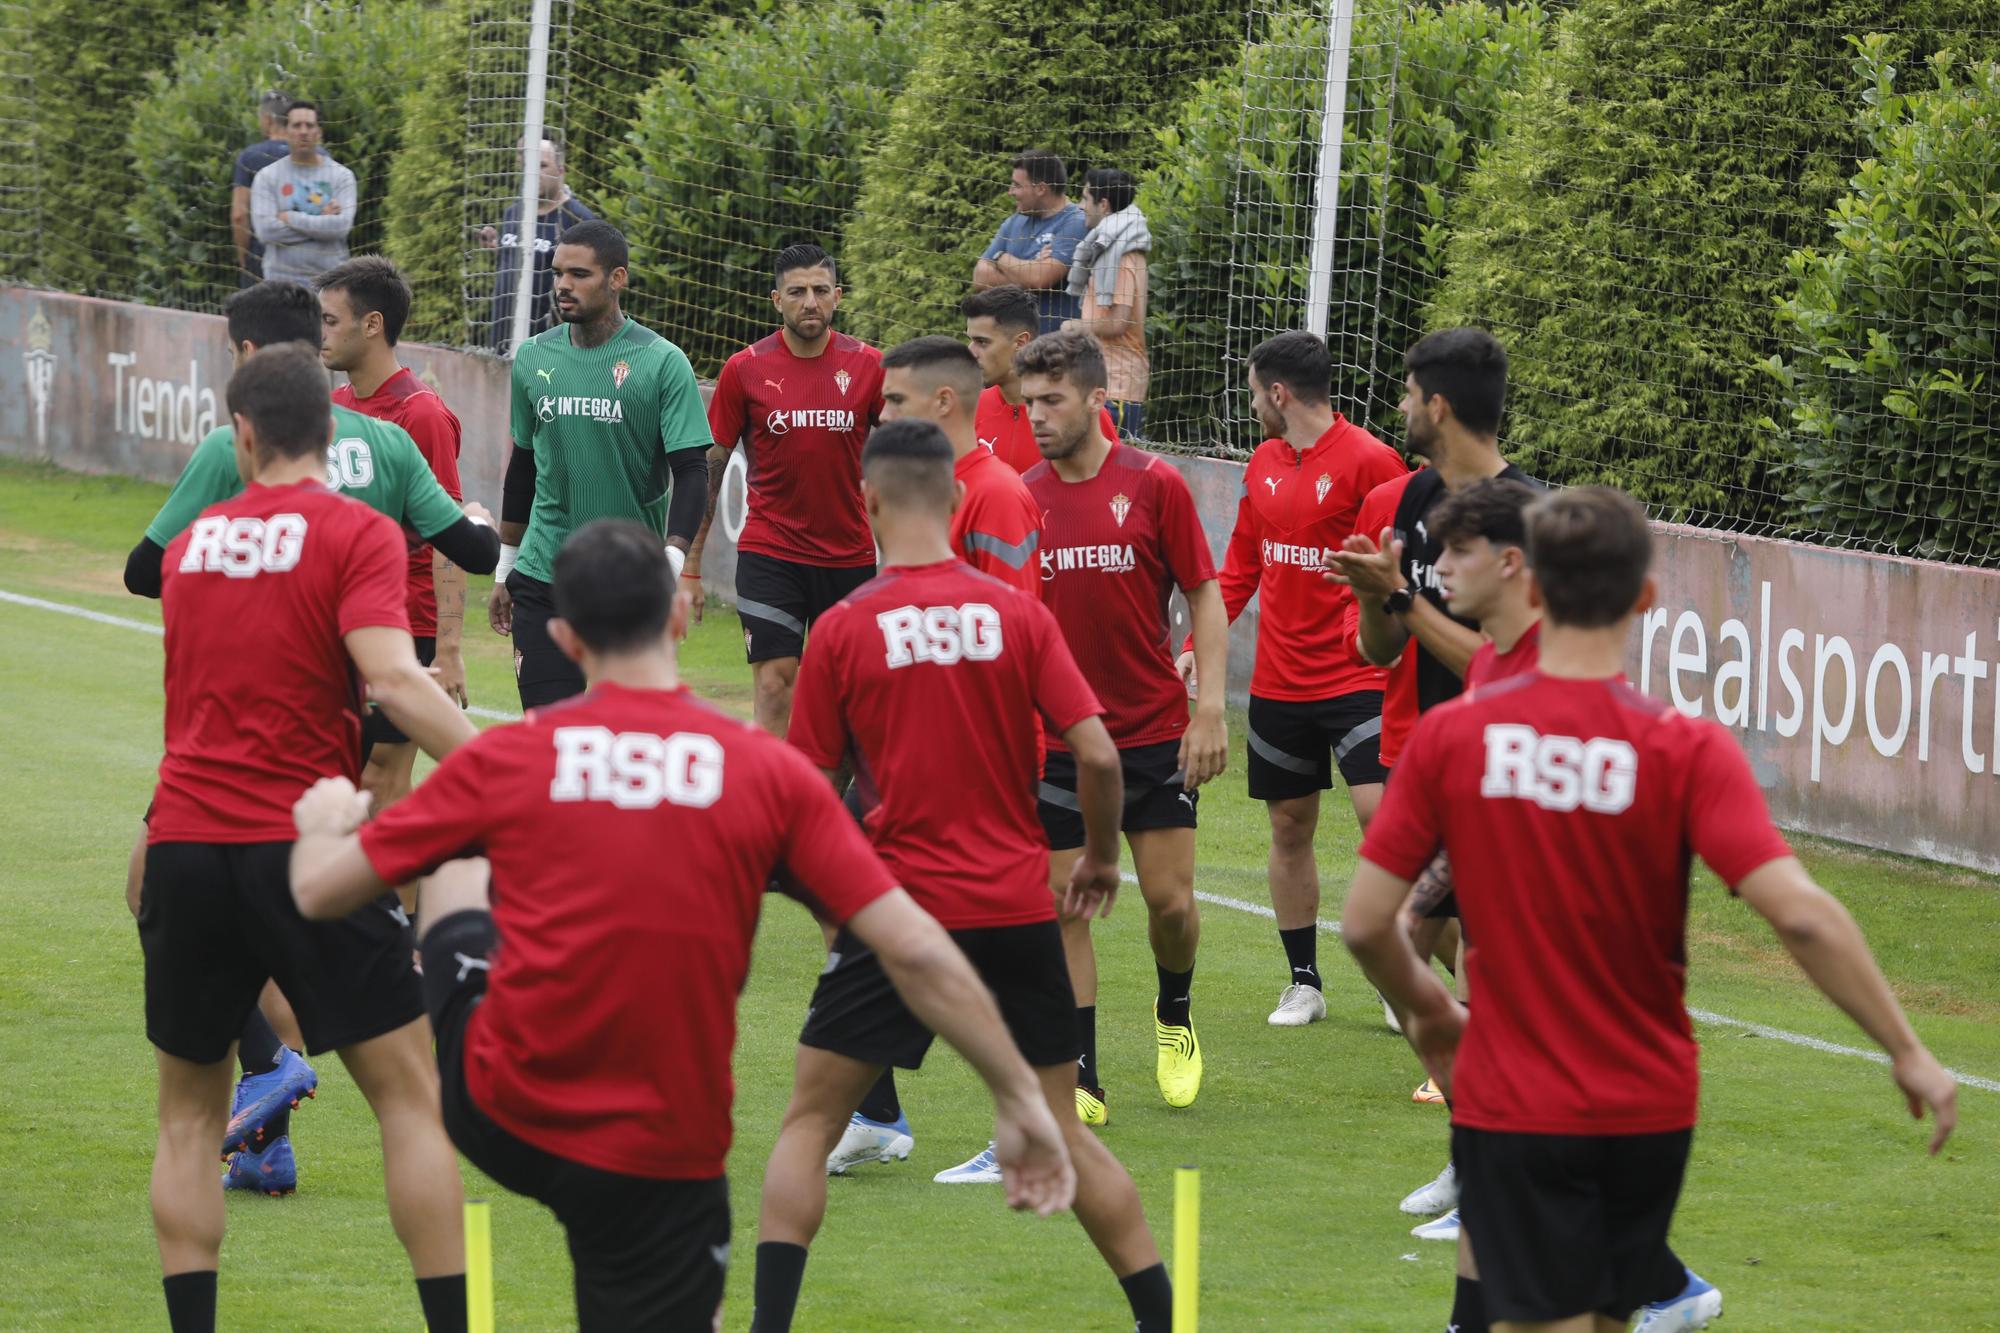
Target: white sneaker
pixel 982 1169
pixel 1698 1303
pixel 867 1140
pixel 1298 1006
pixel 1389 1014
pixel 1440 1196
pixel 1443 1228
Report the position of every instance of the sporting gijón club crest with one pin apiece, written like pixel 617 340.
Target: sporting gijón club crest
pixel 618 374
pixel 1121 505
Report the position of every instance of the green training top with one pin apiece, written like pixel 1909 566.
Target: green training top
pixel 601 422
pixel 374 461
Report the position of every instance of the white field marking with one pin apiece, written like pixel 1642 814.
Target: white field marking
pixel 1220 900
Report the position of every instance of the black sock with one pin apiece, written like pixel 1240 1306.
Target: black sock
pixel 190 1301
pixel 1173 1001
pixel 1152 1298
pixel 443 1299
pixel 781 1270
pixel 1468 1307
pixel 881 1104
pixel 257 1048
pixel 1086 1032
pixel 1302 952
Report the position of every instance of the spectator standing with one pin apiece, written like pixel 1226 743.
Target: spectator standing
pixel 1108 273
pixel 271 109
pixel 1034 247
pixel 302 206
pixel 557 211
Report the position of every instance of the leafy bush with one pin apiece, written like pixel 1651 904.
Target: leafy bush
pixel 1887 389
pixel 1231 203
pixel 1627 235
pixel 724 166
pixel 1090 79
pixel 196 115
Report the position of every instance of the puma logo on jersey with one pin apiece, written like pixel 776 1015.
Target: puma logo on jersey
pixel 1559 773
pixel 941 634
pixel 636 770
pixel 1272 482
pixel 547 378
pixel 467 965
pixel 779 385
pixel 243 548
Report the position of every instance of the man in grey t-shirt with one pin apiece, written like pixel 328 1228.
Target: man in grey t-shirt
pixel 302 206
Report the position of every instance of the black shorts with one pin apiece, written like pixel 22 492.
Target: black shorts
pixel 217 920
pixel 1294 747
pixel 646 1253
pixel 857 1013
pixel 542 674
pixel 1568 1224
pixel 778 600
pixel 376 728
pixel 1154 796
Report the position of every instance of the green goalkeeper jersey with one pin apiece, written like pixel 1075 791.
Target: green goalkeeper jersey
pixel 374 461
pixel 600 422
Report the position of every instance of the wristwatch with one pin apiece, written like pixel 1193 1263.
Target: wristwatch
pixel 1401 600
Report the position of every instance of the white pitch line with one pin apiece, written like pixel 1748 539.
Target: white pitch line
pixel 1799 1039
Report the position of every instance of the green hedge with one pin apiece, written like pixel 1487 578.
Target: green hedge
pixel 1627 237
pixel 1231 202
pixel 725 165
pixel 1090 79
pixel 1887 388
pixel 195 117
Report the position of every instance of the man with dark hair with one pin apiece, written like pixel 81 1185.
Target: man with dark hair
pixel 1034 247
pixel 999 322
pixel 549 1001
pixel 1108 278
pixel 556 211
pixel 931 638
pixel 1119 534
pixel 1484 576
pixel 607 423
pixel 271 108
pixel 377 463
pixel 363 304
pixel 802 400
pixel 280 605
pixel 1313 709
pixel 302 206
pixel 1572 806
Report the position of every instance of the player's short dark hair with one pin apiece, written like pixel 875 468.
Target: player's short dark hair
pixel 1043 167
pixel 1495 508
pixel 271 312
pixel 941 358
pixel 301 104
pixel 1299 361
pixel 613 585
pixel 1469 367
pixel 1008 305
pixel 803 255
pixel 909 463
pixel 1071 354
pixel 1590 549
pixel 282 393
pixel 602 240
pixel 1114 186
pixel 373 286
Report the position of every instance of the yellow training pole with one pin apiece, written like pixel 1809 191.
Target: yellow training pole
pixel 1187 1249
pixel 478 1266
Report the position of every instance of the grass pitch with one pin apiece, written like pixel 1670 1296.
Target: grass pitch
pixel 1809 1200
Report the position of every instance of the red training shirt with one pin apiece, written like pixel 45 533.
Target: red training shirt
pixel 997 527
pixel 1570 810
pixel 1489 664
pixel 407 401
pixel 1003 427
pixel 632 834
pixel 806 420
pixel 1296 510
pixel 934 675
pixel 1113 549
pixel 258 595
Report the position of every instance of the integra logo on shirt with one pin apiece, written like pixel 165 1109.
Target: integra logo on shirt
pixel 607 410
pixel 243 548
pixel 1107 557
pixel 1559 773
pixel 942 634
pixel 1302 557
pixel 636 770
pixel 804 418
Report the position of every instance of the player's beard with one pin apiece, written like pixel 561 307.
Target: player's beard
pixel 1064 446
pixel 799 328
pixel 1421 437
